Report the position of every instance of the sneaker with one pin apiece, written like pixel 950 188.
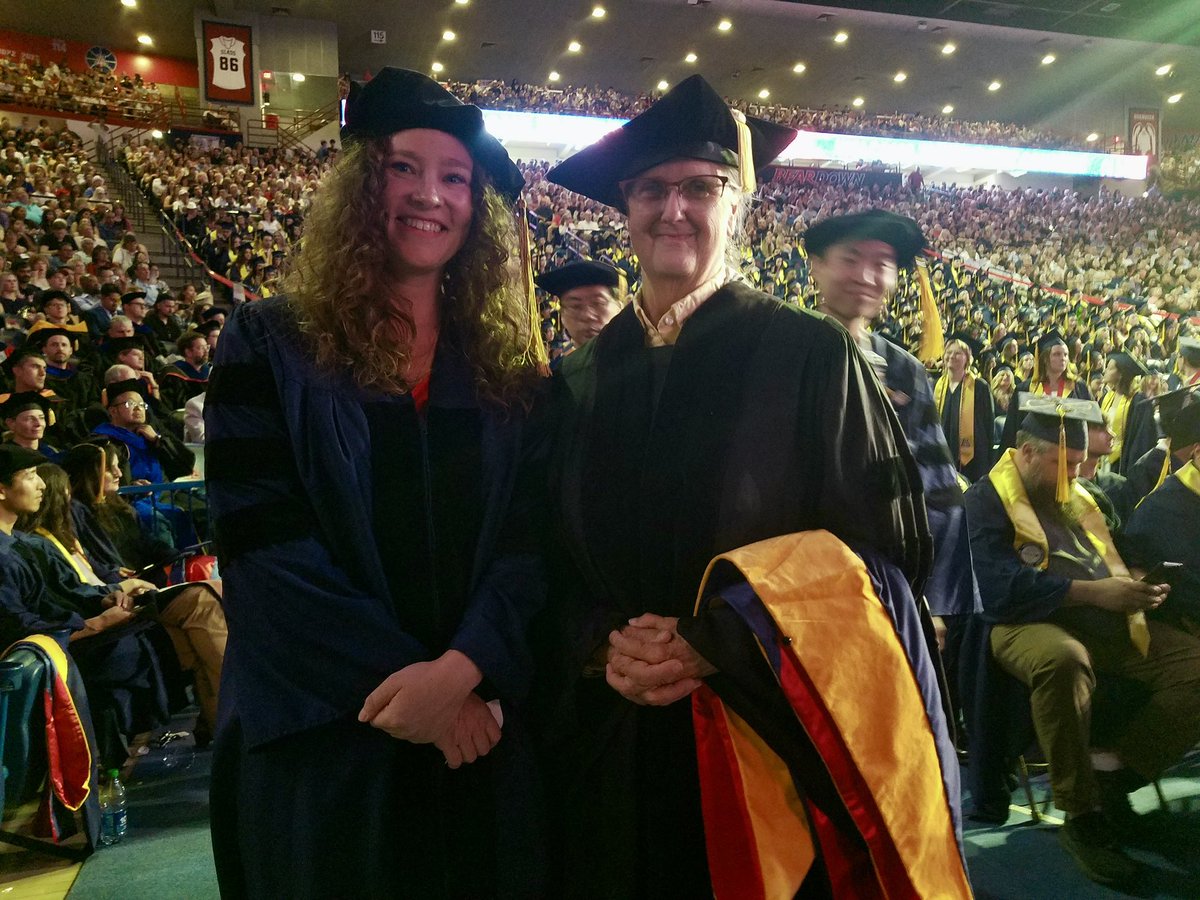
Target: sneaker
pixel 1090 842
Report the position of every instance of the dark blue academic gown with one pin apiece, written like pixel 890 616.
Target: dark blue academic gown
pixel 355 538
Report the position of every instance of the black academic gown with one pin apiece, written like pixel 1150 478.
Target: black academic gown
pixel 358 536
pixel 1141 433
pixel 1163 528
pixel 760 421
pixel 985 426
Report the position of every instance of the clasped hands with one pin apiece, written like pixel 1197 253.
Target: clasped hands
pixel 435 703
pixel 648 663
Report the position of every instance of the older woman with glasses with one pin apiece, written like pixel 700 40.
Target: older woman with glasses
pixel 708 416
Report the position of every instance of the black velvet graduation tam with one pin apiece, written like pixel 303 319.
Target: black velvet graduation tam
pixel 690 121
pixel 400 99
pixel 1045 416
pixel 46 296
pixel 14 459
pixel 38 338
pixel 22 401
pixel 902 233
pixel 130 296
pixel 578 274
pixel 117 388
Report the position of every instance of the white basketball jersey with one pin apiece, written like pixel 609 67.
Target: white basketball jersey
pixel 229 63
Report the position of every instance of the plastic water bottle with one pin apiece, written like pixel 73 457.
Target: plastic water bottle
pixel 113 819
pixel 108 831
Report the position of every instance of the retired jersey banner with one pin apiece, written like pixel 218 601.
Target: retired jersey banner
pixel 850 178
pixel 228 72
pixel 1143 132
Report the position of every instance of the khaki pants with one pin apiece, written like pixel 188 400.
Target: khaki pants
pixel 196 623
pixel 1058 661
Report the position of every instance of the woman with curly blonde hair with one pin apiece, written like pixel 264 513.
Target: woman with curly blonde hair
pixel 369 478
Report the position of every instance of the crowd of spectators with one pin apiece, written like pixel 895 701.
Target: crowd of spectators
pixel 597 101
pixel 93 93
pixel 102 380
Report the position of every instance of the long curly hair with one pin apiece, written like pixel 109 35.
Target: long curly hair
pixel 338 284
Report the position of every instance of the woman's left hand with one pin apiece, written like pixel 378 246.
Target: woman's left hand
pixel 657 671
pixel 421 702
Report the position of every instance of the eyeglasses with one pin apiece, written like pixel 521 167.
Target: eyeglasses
pixel 702 190
pixel 132 404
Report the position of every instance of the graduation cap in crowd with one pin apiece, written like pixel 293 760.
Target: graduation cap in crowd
pixel 212 312
pixel 1128 366
pixel 398 99
pixel 1179 416
pixel 163 297
pixel 39 338
pixel 208 327
pixel 901 233
pixel 580 274
pixel 1048 340
pixel 971 343
pixel 690 121
pixel 46 296
pixel 1063 421
pixel 131 296
pixel 15 458
pixel 23 401
pixel 114 347
pixel 25 351
pixel 1189 348
pixel 117 388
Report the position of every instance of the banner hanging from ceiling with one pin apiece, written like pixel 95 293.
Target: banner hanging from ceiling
pixel 228 67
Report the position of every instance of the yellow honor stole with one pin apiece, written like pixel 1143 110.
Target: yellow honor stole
pixel 1029 539
pixel 1190 476
pixel 1116 410
pixel 966 414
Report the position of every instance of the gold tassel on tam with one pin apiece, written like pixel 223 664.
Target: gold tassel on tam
pixel 1062 491
pixel 535 348
pixel 745 152
pixel 932 346
pixel 1163 473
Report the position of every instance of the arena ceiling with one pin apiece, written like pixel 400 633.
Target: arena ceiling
pixel 1105 52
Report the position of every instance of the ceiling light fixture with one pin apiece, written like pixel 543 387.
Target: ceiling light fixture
pixel 1093 137
pixel 764 94
pixel 1175 98
pixel 437 67
pixel 1163 70
pixel 690 58
pixel 858 101
pixel 724 25
pixel 448 35
pixel 599 12
pixel 994 86
pixel 145 40
pixel 948 48
pixel 947 109
pixel 900 77
pixel 841 37
pixel 156 134
pixel 799 68
pixel 574 47
pixel 1048 58
pixel 298 77
pixel 129 3
pixel 462 2
pixel 554 76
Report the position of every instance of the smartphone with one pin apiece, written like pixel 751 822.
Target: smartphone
pixel 1164 573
